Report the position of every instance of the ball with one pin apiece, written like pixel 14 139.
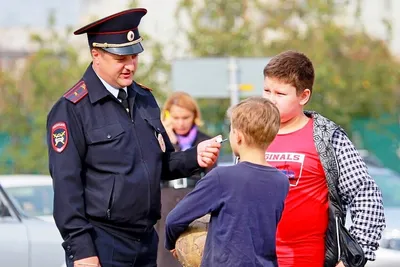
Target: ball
pixel 190 245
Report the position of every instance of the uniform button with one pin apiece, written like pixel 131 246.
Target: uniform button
pixel 71 256
pixel 68 247
pixel 158 129
pixel 108 136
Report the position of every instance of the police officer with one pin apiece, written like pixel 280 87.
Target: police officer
pixel 108 151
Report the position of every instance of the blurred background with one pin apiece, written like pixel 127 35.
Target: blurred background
pixel 215 50
pixel 355 47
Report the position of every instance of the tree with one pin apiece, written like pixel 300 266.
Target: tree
pixel 7 84
pixel 217 28
pixel 48 73
pixel 153 72
pixel 356 74
pixel 350 64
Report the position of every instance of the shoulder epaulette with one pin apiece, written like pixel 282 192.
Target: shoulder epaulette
pixel 144 87
pixel 77 92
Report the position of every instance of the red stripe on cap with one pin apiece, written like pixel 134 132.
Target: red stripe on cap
pixel 100 33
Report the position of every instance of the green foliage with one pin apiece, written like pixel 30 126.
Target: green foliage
pixel 153 72
pixel 7 103
pixel 356 75
pixel 218 28
pixel 48 73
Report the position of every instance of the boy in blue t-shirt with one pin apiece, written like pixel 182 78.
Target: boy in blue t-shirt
pixel 245 200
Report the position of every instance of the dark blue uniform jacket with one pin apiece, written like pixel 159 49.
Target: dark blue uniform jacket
pixel 107 164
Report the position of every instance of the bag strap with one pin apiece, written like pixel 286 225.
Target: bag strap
pixel 332 180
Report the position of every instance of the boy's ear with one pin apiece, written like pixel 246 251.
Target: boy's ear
pixel 238 136
pixel 305 97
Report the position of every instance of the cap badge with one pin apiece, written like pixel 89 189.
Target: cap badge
pixel 130 36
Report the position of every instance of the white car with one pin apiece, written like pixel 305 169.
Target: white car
pixel 388 254
pixel 27 241
pixel 31 194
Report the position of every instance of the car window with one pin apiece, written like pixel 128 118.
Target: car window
pixel 4 212
pixel 389 183
pixel 33 200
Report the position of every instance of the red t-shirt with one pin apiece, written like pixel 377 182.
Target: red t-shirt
pixel 301 231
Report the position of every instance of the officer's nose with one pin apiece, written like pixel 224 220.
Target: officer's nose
pixel 131 62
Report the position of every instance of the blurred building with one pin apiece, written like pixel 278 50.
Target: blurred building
pixel 14 48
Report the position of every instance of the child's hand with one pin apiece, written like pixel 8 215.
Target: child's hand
pixel 173 251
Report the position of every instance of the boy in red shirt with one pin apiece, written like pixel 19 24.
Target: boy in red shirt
pixel 308 149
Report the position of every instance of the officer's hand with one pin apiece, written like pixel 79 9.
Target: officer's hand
pixel 340 264
pixel 208 151
pixel 88 262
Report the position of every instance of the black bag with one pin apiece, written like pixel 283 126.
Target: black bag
pixel 353 255
pixel 340 244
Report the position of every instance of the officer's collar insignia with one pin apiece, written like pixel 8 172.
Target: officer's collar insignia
pixel 143 86
pixel 59 136
pixel 76 93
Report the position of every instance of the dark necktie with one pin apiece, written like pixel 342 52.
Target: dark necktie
pixel 123 96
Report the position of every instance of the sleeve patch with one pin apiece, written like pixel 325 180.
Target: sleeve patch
pixel 59 136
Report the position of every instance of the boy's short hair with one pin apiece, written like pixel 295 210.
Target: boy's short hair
pixel 293 68
pixel 258 119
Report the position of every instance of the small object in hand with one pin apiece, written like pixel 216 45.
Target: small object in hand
pixel 166 115
pixel 220 140
pixel 223 141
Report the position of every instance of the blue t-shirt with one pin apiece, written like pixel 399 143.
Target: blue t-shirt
pixel 246 203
